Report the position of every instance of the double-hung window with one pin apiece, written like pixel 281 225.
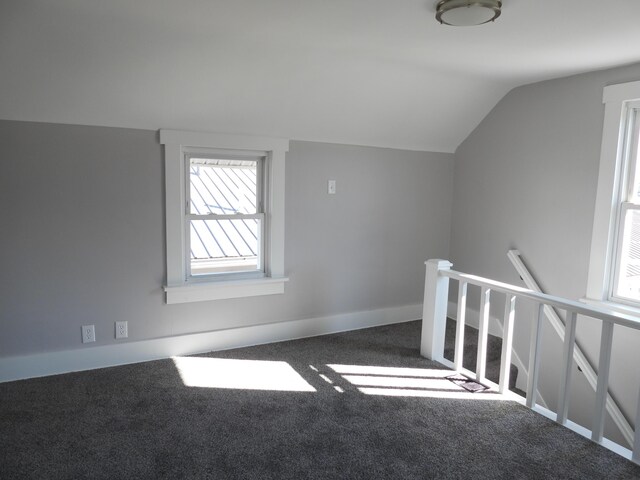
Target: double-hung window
pixel 625 281
pixel 225 219
pixel 224 205
pixel 614 268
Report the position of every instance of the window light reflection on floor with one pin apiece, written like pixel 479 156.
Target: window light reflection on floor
pixel 394 371
pixel 409 382
pixel 461 395
pixel 402 382
pixel 240 374
pixel 208 372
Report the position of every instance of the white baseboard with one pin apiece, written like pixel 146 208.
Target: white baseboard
pixel 495 328
pixel 53 363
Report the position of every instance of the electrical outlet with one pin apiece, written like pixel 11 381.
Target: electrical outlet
pixel 88 333
pixel 331 187
pixel 122 330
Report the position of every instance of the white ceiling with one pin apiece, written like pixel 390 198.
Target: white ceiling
pixel 367 72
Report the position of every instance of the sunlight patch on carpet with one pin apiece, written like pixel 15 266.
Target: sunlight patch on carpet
pixel 409 382
pixel 207 372
pixel 463 395
pixel 392 371
pixel 401 382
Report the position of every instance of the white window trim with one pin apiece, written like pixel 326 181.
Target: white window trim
pixel 617 100
pixel 178 290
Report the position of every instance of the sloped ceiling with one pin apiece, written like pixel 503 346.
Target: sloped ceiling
pixel 367 72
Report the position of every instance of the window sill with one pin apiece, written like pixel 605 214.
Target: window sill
pixel 612 306
pixel 202 292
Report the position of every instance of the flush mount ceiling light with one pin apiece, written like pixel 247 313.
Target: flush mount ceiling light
pixel 465 13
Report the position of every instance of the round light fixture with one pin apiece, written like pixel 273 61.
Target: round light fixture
pixel 465 13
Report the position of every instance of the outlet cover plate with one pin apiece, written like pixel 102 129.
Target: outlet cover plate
pixel 122 330
pixel 88 333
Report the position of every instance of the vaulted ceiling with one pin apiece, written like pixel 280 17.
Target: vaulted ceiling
pixel 367 72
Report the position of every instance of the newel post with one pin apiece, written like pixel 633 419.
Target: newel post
pixel 434 310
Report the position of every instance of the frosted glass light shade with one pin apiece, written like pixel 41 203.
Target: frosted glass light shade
pixel 465 13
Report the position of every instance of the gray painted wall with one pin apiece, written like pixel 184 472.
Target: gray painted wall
pixel 526 178
pixel 82 242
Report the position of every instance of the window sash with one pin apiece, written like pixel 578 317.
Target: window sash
pixel 211 154
pixel 622 263
pixel 630 155
pixel 231 274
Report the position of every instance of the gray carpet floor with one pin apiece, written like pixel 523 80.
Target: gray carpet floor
pixel 141 422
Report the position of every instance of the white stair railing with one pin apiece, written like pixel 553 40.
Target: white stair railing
pixel 572 348
pixel 438 274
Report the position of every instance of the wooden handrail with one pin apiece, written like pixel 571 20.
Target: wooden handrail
pixel 551 300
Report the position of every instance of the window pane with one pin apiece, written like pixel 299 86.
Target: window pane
pixel 222 187
pixel 219 246
pixel 628 285
pixel 634 152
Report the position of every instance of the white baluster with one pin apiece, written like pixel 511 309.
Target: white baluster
pixel 534 357
pixel 606 343
pixel 460 322
pixel 507 342
pixel 567 367
pixel 481 362
pixel 434 312
pixel 636 438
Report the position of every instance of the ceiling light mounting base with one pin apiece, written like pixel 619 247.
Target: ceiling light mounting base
pixel 464 13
